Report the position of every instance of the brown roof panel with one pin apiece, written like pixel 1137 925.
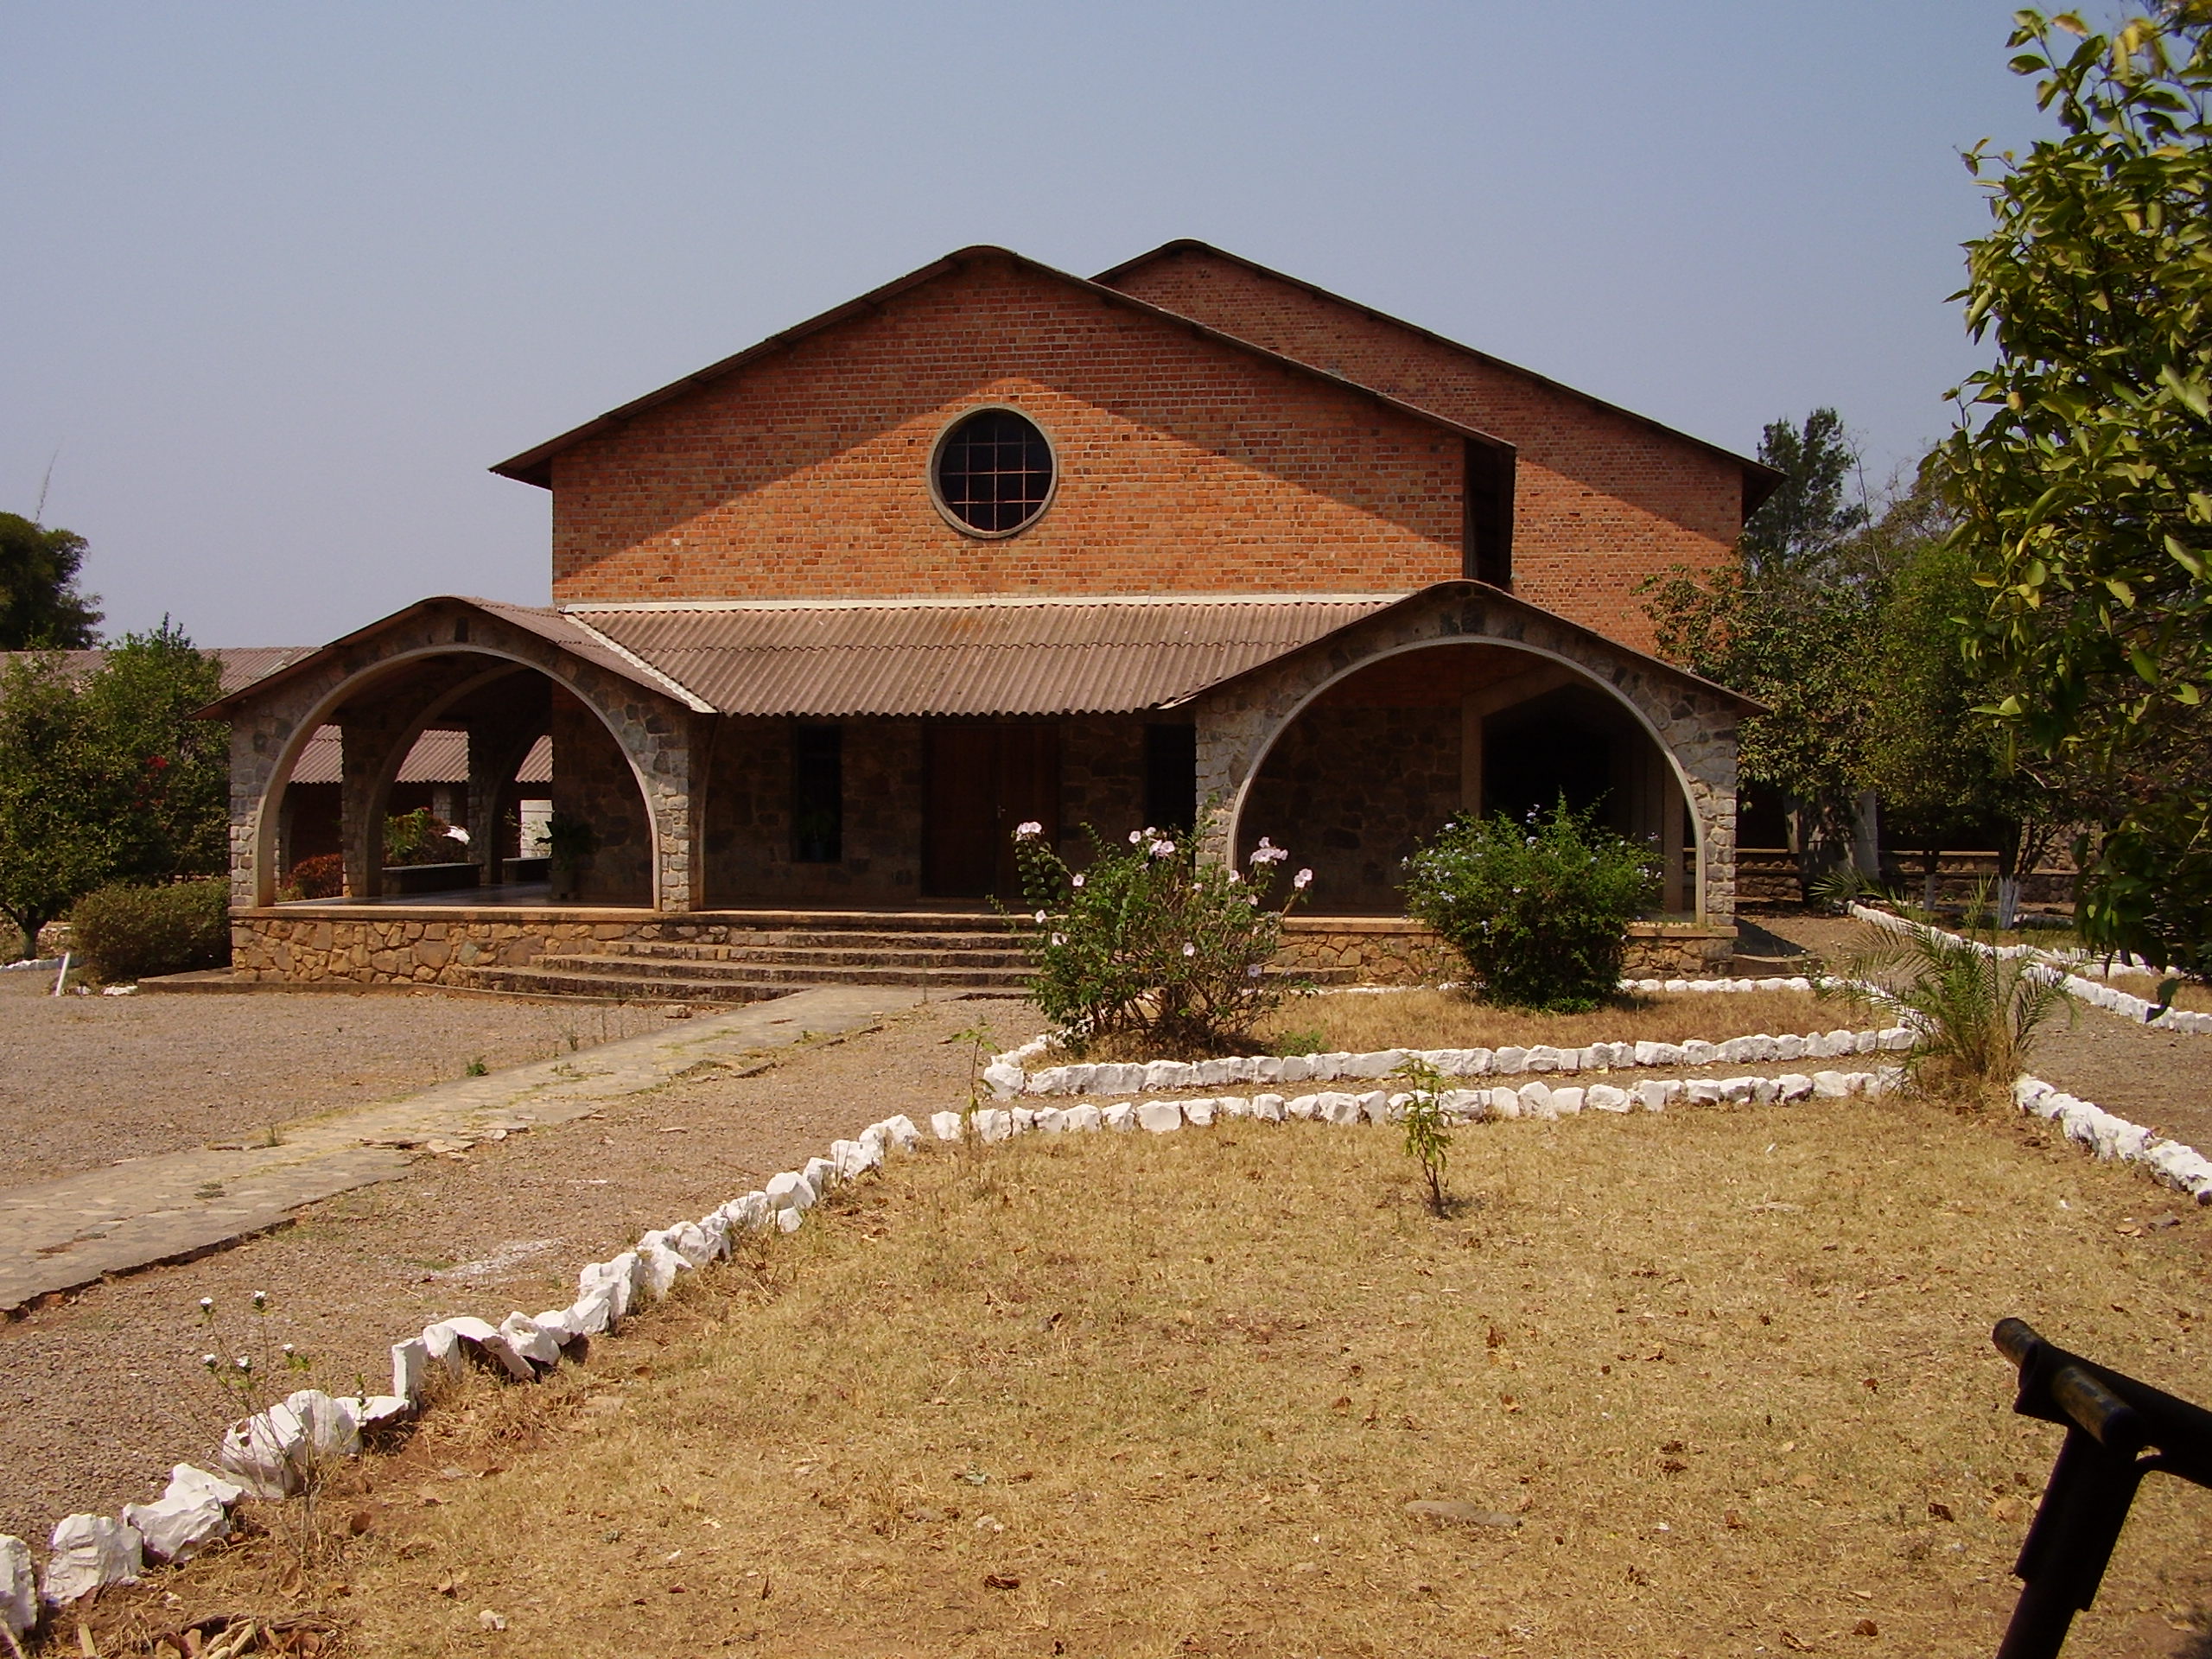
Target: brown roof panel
pixel 971 656
pixel 436 757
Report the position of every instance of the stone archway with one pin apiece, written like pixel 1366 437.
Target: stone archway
pixel 1691 725
pixel 437 651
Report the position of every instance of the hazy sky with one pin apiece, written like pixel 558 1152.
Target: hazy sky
pixel 287 279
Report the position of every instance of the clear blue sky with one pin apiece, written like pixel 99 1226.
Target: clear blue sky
pixel 285 279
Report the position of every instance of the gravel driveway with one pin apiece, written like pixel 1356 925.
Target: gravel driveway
pixel 90 1080
pixel 101 1392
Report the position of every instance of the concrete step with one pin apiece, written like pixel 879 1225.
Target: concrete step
pixel 611 987
pixel 648 970
pixel 813 940
pixel 914 953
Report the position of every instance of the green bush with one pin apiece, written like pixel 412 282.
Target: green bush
pixel 126 933
pixel 1149 939
pixel 1539 909
pixel 422 837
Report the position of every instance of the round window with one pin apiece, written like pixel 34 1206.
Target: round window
pixel 994 472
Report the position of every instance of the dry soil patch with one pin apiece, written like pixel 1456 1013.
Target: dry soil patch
pixel 1729 1371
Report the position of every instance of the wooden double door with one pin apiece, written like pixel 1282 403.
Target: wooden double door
pixel 981 780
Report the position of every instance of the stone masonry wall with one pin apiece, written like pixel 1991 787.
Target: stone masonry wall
pixel 1353 826
pixel 1387 951
pixel 1238 721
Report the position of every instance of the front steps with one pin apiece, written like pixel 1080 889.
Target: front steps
pixel 955 954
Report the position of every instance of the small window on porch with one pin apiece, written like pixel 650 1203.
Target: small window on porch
pixel 1171 777
pixel 817 794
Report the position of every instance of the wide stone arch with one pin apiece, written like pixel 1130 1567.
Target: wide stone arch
pixel 271 728
pixel 1691 724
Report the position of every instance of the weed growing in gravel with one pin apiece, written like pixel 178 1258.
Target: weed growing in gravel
pixel 476 1068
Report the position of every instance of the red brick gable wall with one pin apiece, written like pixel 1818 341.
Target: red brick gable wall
pixel 1186 465
pixel 1601 500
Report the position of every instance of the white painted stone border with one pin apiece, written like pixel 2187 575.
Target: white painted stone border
pixel 2108 997
pixel 2108 1136
pixel 260 1455
pixel 1010 1077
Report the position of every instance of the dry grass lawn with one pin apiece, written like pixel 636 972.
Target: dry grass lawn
pixel 1364 1022
pixel 1729 1370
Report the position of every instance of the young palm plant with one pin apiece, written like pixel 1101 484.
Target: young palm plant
pixel 1977 1011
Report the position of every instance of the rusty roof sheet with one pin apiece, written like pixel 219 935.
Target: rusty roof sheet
pixel 971 656
pixel 241 664
pixel 436 757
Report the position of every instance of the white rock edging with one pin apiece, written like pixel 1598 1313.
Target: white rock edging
pixel 1009 1081
pixel 2060 969
pixel 267 1454
pixel 2108 1136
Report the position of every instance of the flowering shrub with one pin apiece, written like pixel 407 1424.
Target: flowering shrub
pixel 1149 939
pixel 1540 909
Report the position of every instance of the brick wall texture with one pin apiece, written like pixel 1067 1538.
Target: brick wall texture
pixel 1186 465
pixel 1602 499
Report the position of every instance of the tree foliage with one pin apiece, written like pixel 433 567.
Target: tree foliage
pixel 2083 469
pixel 1798 531
pixel 107 777
pixel 40 607
pixel 1790 622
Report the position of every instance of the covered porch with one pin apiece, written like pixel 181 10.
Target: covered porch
pixel 837 786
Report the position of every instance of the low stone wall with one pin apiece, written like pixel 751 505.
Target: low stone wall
pixel 425 945
pixel 1391 950
pixel 397 946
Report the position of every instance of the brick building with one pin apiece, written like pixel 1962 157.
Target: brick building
pixel 1192 542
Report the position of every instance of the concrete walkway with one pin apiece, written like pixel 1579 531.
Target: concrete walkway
pixel 58 1235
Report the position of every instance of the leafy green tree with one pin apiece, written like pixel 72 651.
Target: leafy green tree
pixel 171 770
pixel 56 839
pixel 40 606
pixel 2083 468
pixel 1790 622
pixel 1944 772
pixel 107 777
pixel 1798 531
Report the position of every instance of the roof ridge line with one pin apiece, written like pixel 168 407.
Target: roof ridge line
pixel 978 601
pixel 690 699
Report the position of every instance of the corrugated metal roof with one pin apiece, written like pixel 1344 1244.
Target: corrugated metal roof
pixel 548 624
pixel 981 657
pixel 242 665
pixel 436 757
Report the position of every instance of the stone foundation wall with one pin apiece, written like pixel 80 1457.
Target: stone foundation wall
pixel 1353 793
pixel 1394 951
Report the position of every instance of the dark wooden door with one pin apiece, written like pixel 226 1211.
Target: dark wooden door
pixel 981 781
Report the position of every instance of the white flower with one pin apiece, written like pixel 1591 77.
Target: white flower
pixel 261 1299
pixel 1059 938
pixel 1233 875
pixel 1041 916
pixel 1161 848
pixel 1078 879
pixel 207 1304
pixel 1252 971
pixel 1135 836
pixel 1302 880
pixel 1024 831
pixel 1190 950
pixel 457 833
pixel 245 1363
pixel 287 1348
pixel 209 1361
